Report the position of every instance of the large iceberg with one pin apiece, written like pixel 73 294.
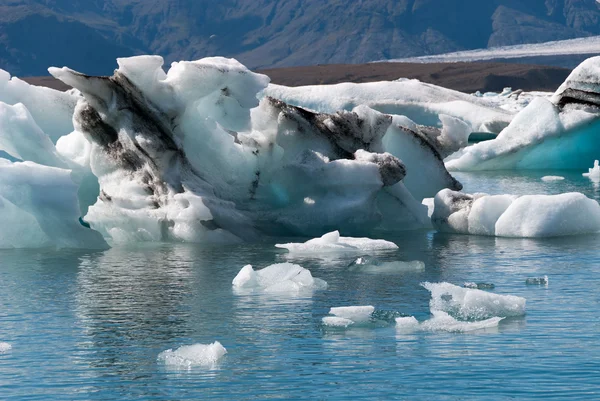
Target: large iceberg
pixel 191 155
pixel 525 216
pixel 557 133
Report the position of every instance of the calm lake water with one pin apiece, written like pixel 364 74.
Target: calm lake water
pixel 90 325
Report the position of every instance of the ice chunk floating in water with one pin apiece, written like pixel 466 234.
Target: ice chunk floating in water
pixel 550 178
pixel 593 173
pixel 4 347
pixel 442 321
pixel 526 216
pixel 355 313
pixel 358 316
pixel 190 356
pixel 278 278
pixel 345 316
pixel 471 304
pixel 333 242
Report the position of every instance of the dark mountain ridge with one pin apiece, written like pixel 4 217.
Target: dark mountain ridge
pixel 89 35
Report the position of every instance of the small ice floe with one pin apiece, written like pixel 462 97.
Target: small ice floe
pixel 346 316
pixel 359 316
pixel 197 355
pixel 593 173
pixel 369 264
pixel 472 304
pixel 549 178
pixel 4 347
pixel 333 242
pixel 277 278
pixel 479 286
pixel 537 281
pixel 442 321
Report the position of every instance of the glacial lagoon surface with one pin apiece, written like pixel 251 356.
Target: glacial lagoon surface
pixel 89 325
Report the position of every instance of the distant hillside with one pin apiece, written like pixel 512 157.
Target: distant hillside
pixel 88 35
pixel 465 77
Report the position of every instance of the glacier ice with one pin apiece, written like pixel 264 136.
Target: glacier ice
pixel 471 304
pixel 333 242
pixel 4 347
pixel 21 137
pixel 369 264
pixel 39 208
pixel 527 216
pixel 278 278
pixel 51 110
pixel 190 356
pixel 556 133
pixel 423 103
pixel 191 155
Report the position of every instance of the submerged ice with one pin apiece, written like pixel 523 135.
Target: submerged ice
pixel 369 264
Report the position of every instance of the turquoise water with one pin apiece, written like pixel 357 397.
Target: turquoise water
pixel 89 325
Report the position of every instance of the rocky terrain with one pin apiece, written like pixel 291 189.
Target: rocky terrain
pixel 88 35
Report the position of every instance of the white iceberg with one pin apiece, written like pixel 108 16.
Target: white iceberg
pixel 556 133
pixel 472 304
pixel 284 278
pixel 333 242
pixel 39 208
pixel 51 110
pixel 190 154
pixel 527 216
pixel 594 172
pixel 190 356
pixel 4 347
